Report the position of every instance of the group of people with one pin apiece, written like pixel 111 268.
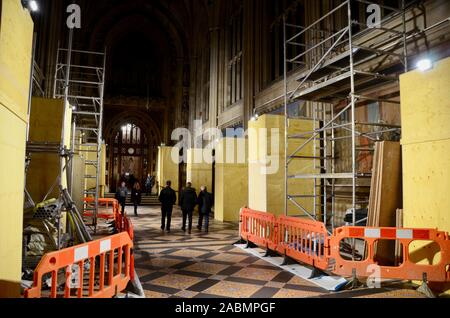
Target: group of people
pixel 187 202
pixel 136 196
pixel 136 193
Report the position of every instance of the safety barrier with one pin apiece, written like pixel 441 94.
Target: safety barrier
pixel 303 240
pixel 407 269
pixel 259 228
pixel 128 228
pixel 99 269
pixel 308 242
pixel 108 208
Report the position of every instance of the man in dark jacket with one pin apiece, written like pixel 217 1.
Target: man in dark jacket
pixel 188 201
pixel 205 204
pixel 168 198
pixel 121 196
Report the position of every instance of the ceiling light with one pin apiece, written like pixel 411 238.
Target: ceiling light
pixel 33 5
pixel 424 65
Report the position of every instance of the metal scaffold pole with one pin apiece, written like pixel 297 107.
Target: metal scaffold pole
pixel 286 122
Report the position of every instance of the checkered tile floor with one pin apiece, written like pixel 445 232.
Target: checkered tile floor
pixel 200 265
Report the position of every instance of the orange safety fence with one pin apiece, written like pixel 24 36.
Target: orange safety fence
pixel 308 242
pixel 99 269
pixel 407 269
pixel 259 228
pixel 303 240
pixel 128 228
pixel 108 208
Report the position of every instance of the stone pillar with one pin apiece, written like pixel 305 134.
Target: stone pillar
pixel 214 77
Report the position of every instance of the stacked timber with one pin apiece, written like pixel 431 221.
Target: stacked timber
pixel 385 195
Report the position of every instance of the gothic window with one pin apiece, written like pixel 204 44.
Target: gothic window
pixel 274 41
pixel 206 84
pixel 235 83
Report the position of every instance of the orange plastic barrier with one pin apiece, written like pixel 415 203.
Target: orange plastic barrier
pixel 108 208
pixel 304 240
pixel 128 228
pixel 407 270
pixel 307 241
pixel 103 270
pixel 259 228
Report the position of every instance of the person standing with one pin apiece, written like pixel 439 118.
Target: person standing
pixel 149 183
pixel 205 204
pixel 136 197
pixel 188 201
pixel 168 198
pixel 121 196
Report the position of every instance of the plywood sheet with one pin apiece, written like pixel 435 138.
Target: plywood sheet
pixel 167 168
pixel 425 104
pixel 267 192
pixel 16 40
pixel 231 180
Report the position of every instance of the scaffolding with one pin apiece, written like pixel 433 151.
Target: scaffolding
pixel 336 83
pixel 79 80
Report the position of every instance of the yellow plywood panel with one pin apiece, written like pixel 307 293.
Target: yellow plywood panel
pixel 90 154
pixel 16 40
pixel 12 148
pixel 426 171
pixel 78 181
pixel 168 169
pixel 46 120
pixel 426 182
pixel 267 190
pixel 16 32
pixel 425 104
pixel 231 180
pixel 199 168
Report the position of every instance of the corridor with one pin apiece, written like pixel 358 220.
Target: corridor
pixel 178 265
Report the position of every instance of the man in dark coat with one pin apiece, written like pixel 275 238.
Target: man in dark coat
pixel 188 201
pixel 168 198
pixel 121 196
pixel 205 204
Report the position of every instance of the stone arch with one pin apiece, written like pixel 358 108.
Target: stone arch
pixel 147 125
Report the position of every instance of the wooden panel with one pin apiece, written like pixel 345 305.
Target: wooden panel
pixel 167 168
pixel 386 195
pixel 266 191
pixel 16 33
pixel 16 41
pixel 425 98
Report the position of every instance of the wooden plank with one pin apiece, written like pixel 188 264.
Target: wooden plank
pixel 389 197
pixel 398 246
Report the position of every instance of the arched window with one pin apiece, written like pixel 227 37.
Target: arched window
pixel 235 87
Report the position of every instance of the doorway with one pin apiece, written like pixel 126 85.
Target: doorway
pixel 130 156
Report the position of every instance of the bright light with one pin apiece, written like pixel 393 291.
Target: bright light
pixel 33 5
pixel 424 65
